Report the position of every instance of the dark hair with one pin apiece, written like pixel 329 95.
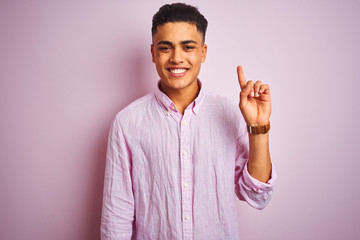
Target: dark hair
pixel 179 12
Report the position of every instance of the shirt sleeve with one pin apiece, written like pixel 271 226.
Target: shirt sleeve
pixel 118 199
pixel 257 194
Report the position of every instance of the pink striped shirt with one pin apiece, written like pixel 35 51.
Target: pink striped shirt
pixel 174 176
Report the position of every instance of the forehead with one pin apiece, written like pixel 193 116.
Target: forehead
pixel 177 31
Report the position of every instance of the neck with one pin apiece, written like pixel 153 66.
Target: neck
pixel 181 97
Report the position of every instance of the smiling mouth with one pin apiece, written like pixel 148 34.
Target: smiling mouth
pixel 177 72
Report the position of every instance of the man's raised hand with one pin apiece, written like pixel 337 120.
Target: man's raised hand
pixel 255 100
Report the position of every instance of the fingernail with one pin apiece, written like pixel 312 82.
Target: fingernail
pixel 252 94
pixel 257 95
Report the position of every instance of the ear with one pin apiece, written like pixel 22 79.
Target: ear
pixel 203 53
pixel 152 53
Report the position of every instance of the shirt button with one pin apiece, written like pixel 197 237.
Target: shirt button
pixel 184 154
pixel 184 122
pixel 186 185
pixel 173 107
pixel 256 189
pixel 187 218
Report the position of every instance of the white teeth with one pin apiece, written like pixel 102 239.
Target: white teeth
pixel 176 71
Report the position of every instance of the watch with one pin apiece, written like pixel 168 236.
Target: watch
pixel 258 129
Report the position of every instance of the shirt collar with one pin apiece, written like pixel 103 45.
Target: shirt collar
pixel 166 103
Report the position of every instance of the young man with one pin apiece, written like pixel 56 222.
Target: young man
pixel 177 158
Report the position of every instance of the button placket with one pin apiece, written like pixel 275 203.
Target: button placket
pixel 186 174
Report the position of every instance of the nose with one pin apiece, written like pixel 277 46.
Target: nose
pixel 176 56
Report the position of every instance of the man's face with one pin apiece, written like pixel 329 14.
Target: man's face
pixel 178 52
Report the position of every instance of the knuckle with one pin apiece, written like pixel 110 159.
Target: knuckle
pixel 265 88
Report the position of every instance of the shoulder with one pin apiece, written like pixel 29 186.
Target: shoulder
pixel 137 108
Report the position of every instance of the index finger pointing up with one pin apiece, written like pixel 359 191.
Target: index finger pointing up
pixel 241 77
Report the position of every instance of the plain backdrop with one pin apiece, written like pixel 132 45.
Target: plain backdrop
pixel 67 67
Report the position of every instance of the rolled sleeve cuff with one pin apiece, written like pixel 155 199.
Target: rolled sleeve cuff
pixel 258 186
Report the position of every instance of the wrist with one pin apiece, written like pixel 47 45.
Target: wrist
pixel 258 128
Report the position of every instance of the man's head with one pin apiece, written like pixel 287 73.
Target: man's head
pixel 178 47
pixel 179 12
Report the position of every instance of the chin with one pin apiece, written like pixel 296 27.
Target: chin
pixel 174 84
pixel 179 83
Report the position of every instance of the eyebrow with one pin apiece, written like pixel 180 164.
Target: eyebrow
pixel 188 41
pixel 182 42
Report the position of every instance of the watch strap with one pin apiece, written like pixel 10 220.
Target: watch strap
pixel 262 129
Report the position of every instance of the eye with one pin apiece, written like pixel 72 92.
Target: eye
pixel 188 48
pixel 164 49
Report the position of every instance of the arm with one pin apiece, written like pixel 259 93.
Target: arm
pixel 254 175
pixel 247 188
pixel 259 164
pixel 255 106
pixel 118 200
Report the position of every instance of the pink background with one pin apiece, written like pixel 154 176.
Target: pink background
pixel 66 69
